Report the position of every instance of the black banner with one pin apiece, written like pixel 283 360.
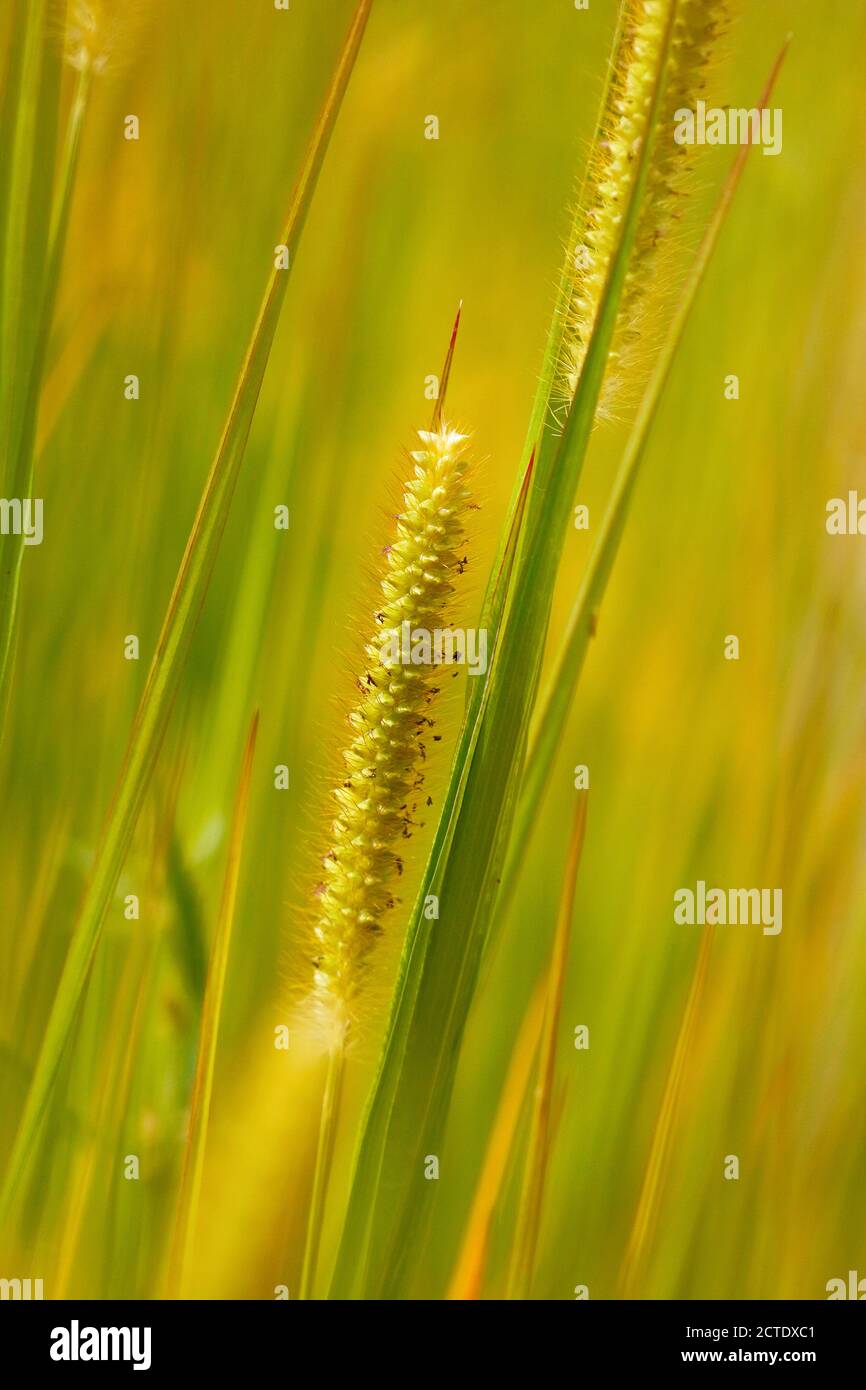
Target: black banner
pixel 67 1338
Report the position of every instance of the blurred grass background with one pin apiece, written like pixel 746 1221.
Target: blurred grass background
pixel 746 773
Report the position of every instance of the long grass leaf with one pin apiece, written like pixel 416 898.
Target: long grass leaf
pixel 538 1153
pixel 186 1220
pixel 27 237
pixel 196 567
pixel 408 1108
pixel 542 435
pixel 653 1180
pixel 359 1217
pixel 468 1276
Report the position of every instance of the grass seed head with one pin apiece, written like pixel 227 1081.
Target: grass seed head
pixel 379 795
pixel 697 27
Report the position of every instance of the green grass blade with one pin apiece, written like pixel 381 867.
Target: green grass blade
pixel 155 706
pixel 646 1211
pixel 189 933
pixel 556 701
pixel 9 124
pixel 540 1135
pixel 193 1162
pixel 542 435
pixel 328 1124
pixel 26 210
pixel 359 1217
pixel 21 459
pixel 408 1110
pixel 23 184
pixel 467 1281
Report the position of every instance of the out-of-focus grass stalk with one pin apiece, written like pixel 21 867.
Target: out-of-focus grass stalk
pixel 57 245
pixel 28 280
pixel 16 188
pixel 324 1161
pixel 178 627
pixel 189 1194
pixel 468 1277
pixel 647 1206
pixel 538 1153
pixel 126 1013
pixel 23 447
pixel 556 699
pixel 20 961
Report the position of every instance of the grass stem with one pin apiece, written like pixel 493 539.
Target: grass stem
pixel 328 1123
pixel 540 1135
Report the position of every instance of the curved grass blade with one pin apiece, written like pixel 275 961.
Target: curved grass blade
pixel 359 1217
pixel 653 1181
pixel 328 1122
pixel 468 1276
pixel 408 1108
pixel 542 435
pixel 23 438
pixel 556 701
pixel 538 1154
pixel 180 621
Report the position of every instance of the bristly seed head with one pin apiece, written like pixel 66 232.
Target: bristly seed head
pixel 697 27
pixel 384 760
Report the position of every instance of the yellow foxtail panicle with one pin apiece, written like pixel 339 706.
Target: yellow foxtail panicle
pixel 384 763
pixel 607 181
pixel 697 26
